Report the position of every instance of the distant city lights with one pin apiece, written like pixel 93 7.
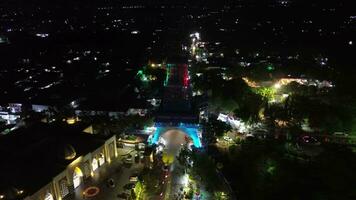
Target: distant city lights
pixel 42 35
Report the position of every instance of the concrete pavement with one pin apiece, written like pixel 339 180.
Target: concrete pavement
pixel 115 170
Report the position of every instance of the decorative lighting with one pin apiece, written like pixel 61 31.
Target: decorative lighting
pixel 71 121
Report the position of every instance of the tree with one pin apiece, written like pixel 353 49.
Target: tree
pixel 249 108
pixel 220 196
pixel 2 123
pixel 267 93
pixel 205 168
pixel 217 128
pixel 291 87
pixel 223 104
pixel 277 112
pixel 167 158
pixel 150 181
pixel 297 108
pixel 138 190
pixel 227 95
pixel 183 156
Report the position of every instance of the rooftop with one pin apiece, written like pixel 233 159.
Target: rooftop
pixel 36 154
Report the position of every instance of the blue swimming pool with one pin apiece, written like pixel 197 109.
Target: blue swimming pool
pixel 190 129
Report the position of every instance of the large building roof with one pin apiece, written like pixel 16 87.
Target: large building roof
pixel 32 156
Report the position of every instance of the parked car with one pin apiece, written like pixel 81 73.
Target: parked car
pixel 129 186
pixel 123 195
pixel 141 146
pixel 129 160
pixel 165 168
pixel 110 183
pixel 141 155
pixel 133 178
pixel 137 158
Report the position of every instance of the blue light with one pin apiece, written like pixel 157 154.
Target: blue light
pixel 156 135
pixel 190 129
pixel 192 132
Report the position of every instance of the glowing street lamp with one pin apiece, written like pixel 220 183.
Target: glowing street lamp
pixel 185 180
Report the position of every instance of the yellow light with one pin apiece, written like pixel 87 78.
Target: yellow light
pixel 151 157
pixel 71 120
pixel 277 86
pixel 153 65
pixel 20 191
pixel 78 171
pixel 2 196
pixel 76 161
pixel 109 160
pixel 250 83
pixel 92 174
pixel 193 50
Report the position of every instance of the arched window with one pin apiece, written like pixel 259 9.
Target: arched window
pixel 77 177
pixel 63 187
pixel 49 196
pixel 86 169
pixel 94 164
pixel 101 159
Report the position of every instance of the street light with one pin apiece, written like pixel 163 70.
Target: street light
pixel 185 180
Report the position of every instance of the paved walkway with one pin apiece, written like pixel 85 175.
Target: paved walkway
pixel 115 170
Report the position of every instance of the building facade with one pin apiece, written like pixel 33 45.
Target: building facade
pixel 77 172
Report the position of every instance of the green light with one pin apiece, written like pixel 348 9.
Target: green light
pixel 139 73
pixel 266 92
pixel 220 196
pixel 271 169
pixel 142 76
pixel 270 67
pixel 138 189
pixel 168 69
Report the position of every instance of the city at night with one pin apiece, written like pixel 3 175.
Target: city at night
pixel 177 100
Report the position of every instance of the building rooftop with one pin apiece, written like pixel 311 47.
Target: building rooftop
pixel 32 156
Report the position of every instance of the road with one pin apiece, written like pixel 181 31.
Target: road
pixel 175 184
pixel 175 180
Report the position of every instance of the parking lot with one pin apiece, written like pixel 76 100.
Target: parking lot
pixel 114 179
